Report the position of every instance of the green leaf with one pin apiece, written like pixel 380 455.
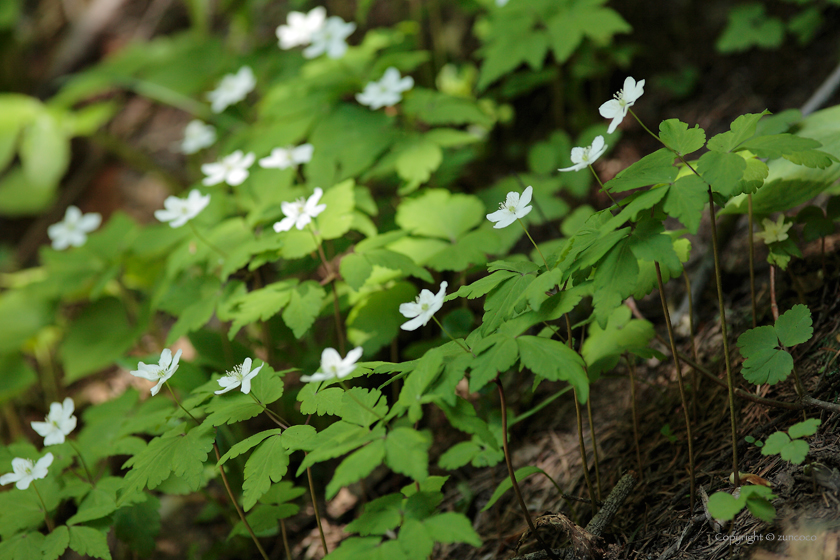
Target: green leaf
pixel 231 408
pixel 794 326
pixel 325 401
pixel 724 506
pixel 259 305
pixel 23 546
pixel 451 137
pixel 795 451
pixel 722 170
pixel 99 502
pixel 458 455
pixel 506 484
pixel 54 544
pixel 435 108
pixel 603 348
pixel 339 438
pixel 89 541
pixel 417 162
pixel 439 213
pixel 749 27
pixel 495 354
pixel 267 464
pixel 336 219
pixel 361 406
pixel 775 443
pixel 649 243
pixel 521 44
pixel 502 301
pixel 247 444
pixel 805 428
pixel 357 466
pixel 44 151
pixel 299 437
pixel 172 453
pixel 583 19
pixel 761 507
pixel 615 278
pixel 305 302
pixel 652 169
pixel 375 320
pixel 471 249
pixel 378 516
pixel 482 286
pixel 767 366
pixel 676 135
pixel 777 145
pixel 357 267
pixel 740 130
pixel 406 452
pixel 139 525
pixel 415 540
pixel 554 361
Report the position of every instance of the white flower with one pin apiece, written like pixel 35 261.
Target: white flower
pixel 282 158
pixel 616 109
pixel 300 27
pixel 331 38
pixel 774 231
pixel 74 229
pixel 423 307
pixel 583 157
pixel 300 212
pixel 511 209
pixel 179 211
pixel 166 367
pixel 501 3
pixel 26 471
pixel 197 136
pixel 232 89
pixel 232 169
pixel 332 366
pixel 387 91
pixel 240 375
pixel 58 423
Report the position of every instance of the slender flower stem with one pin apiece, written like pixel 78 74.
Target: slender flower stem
pixel 675 355
pixel 206 241
pixel 339 328
pixel 648 130
pixel 180 405
pixel 603 188
pixel 315 508
pixel 274 417
pixel 582 447
pixel 533 243
pixel 695 388
pixel 285 540
pixel 509 464
pixel 234 502
pixel 752 262
pixel 594 448
pixel 456 340
pixel 632 367
pixel 774 307
pixel 730 382
pixel 82 461
pixel 358 402
pixel 47 518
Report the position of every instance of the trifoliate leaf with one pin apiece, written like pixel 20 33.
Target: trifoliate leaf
pixel 506 484
pixel 722 170
pixel 794 326
pixel 89 541
pixel 740 130
pixel 495 354
pixel 805 428
pixel 417 162
pixel 749 27
pixel 439 213
pixel 554 361
pixel 247 444
pixel 676 135
pixel 378 516
pixel 305 302
pixel 575 21
pixel 356 466
pixel 406 452
pixel 172 453
pixel 324 401
pixel 652 169
pixel 774 444
pixel 267 464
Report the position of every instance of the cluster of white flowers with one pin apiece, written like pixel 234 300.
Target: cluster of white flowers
pixel 321 34
pixel 73 230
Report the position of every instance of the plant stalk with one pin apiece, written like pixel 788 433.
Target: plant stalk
pixel 752 262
